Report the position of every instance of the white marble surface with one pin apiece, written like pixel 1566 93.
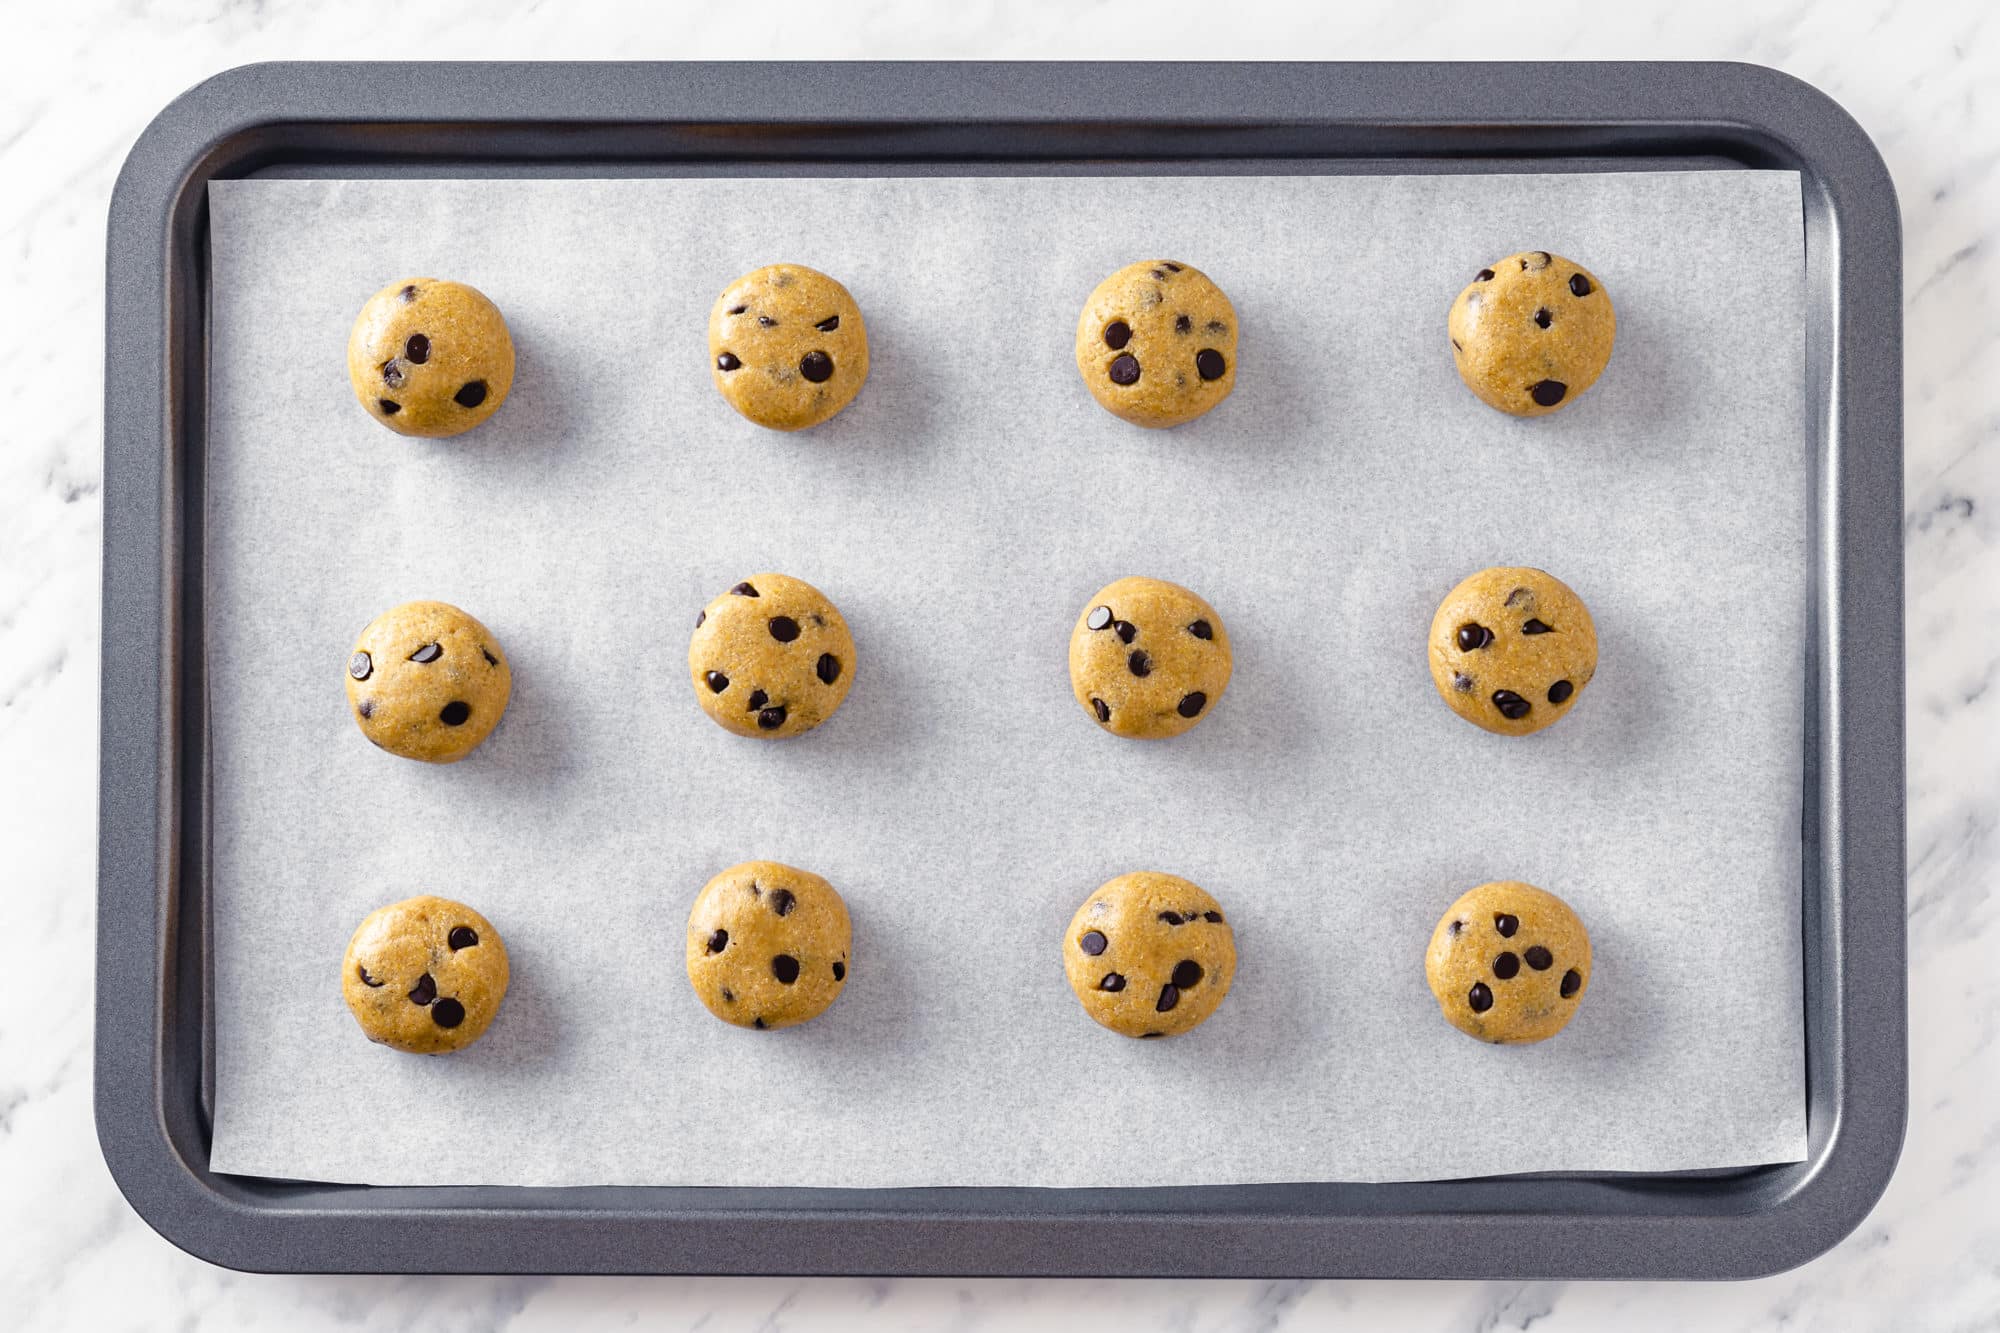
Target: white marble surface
pixel 78 81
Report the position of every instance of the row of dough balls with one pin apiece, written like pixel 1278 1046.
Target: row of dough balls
pixel 1155 345
pixel 1511 650
pixel 1148 955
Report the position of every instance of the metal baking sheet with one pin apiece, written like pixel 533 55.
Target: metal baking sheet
pixel 911 120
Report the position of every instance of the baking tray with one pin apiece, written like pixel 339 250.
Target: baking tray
pixel 154 1076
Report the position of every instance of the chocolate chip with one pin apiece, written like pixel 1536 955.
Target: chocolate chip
pixel 454 713
pixel 1561 691
pixel 1579 285
pixel 447 1013
pixel 840 971
pixel 1457 346
pixel 1159 275
pixel 1139 664
pixel 366 708
pixel 744 590
pixel 1191 704
pixel 1538 958
pixel 1172 918
pixel 417 350
pixel 1455 928
pixel 1182 324
pixel 390 407
pixel 1201 629
pixel 1462 683
pixel 491 660
pixel 1169 997
pixel 1479 997
pixel 756 701
pixel 758 1022
pixel 462 937
pixel 1170 266
pixel 1473 636
pixel 784 629
pixel 716 681
pixel 728 361
pixel 1506 966
pixel 392 374
pixel 427 654
pixel 755 892
pixel 1125 370
pixel 408 293
pixel 767 321
pixel 828 669
pixel 728 995
pixel 1543 318
pixel 785 968
pixel 361 666
pixel 736 309
pixel 366 980
pixel 783 901
pixel 1102 709
pixel 829 324
pixel 1125 630
pixel 1547 393
pixel 1116 334
pixel 1211 916
pixel 1144 1035
pixel 771 718
pixel 700 618
pixel 718 941
pixel 424 991
pixel 1209 363
pixel 1506 923
pixel 1532 626
pixel 1484 275
pixel 1511 705
pixel 470 394
pixel 1537 260
pixel 816 366
pixel 1100 618
pixel 1187 973
pixel 1572 982
pixel 1113 982
pixel 1093 942
pixel 1216 326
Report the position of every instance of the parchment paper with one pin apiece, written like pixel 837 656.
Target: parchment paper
pixel 961 513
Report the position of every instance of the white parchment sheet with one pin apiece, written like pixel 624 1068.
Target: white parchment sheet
pixel 961 514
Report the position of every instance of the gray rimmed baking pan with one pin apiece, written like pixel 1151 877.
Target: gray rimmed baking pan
pixel 154 1080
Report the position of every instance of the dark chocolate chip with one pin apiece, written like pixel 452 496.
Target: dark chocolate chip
pixel 1100 618
pixel 771 718
pixel 728 995
pixel 1191 704
pixel 408 293
pixel 1102 709
pixel 1473 636
pixel 1579 285
pixel 1543 318
pixel 1182 324
pixel 784 629
pixel 744 590
pixel 1533 626
pixel 1201 629
pixel 700 618
pixel 1547 393
pixel 366 980
pixel 424 991
pixel 829 324
pixel 390 407
pixel 1093 942
pixel 447 1013
pixel 718 941
pixel 1506 966
pixel 1113 982
pixel 1511 705
pixel 1144 1035
pixel 816 366
pixel 1116 334
pixel 462 937
pixel 716 681
pixel 1561 691
pixel 427 654
pixel 785 968
pixel 1462 683
pixel 767 321
pixel 366 708
pixel 1170 266
pixel 491 660
pixel 1172 918
pixel 1572 982
pixel 1211 916
pixel 1506 923
pixel 1159 275
pixel 1209 363
pixel 840 971
pixel 392 374
pixel 827 669
pixel 728 361
pixel 758 1022
pixel 417 350
pixel 454 713
pixel 783 901
pixel 1125 630
pixel 1484 275
pixel 470 394
pixel 1457 346
pixel 361 666
pixel 1538 958
pixel 1216 326
pixel 756 701
pixel 1479 997
pixel 1187 974
pixel 1455 928
pixel 1169 997
pixel 1139 664
pixel 736 309
pixel 1125 370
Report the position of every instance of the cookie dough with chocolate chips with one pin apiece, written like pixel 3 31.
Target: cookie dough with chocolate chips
pixel 425 975
pixel 1509 963
pixel 767 945
pixel 430 358
pixel 427 681
pixel 1150 955
pixel 1531 333
pixel 1156 343
pixel 771 657
pixel 1148 659
pixel 787 346
pixel 1512 649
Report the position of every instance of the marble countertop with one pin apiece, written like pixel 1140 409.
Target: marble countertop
pixel 78 82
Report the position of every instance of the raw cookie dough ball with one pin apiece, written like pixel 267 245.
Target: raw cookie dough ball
pixel 427 681
pixel 1150 955
pixel 425 975
pixel 767 945
pixel 430 358
pixel 771 657
pixel 1512 649
pixel 787 346
pixel 1148 658
pixel 1156 343
pixel 1509 962
pixel 1531 333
